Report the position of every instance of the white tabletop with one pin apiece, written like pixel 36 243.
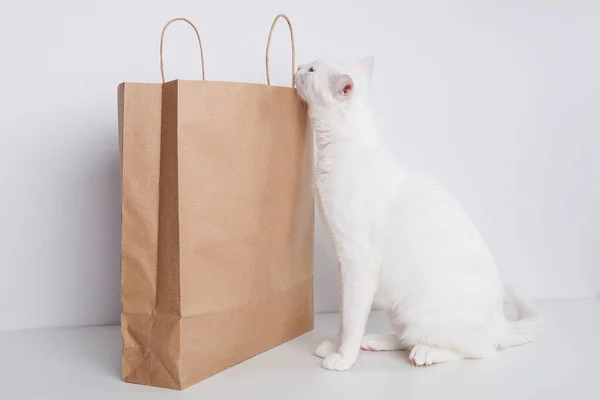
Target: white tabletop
pixel 84 363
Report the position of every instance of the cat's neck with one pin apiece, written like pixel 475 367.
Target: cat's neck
pixel 340 125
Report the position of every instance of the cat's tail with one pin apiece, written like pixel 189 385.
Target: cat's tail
pixel 527 327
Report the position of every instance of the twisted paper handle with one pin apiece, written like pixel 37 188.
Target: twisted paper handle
pixel 269 46
pixel 162 36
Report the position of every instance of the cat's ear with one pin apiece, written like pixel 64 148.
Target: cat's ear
pixel 343 86
pixel 366 66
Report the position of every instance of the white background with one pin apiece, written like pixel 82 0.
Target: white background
pixel 499 100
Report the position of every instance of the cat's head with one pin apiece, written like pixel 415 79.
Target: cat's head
pixel 326 83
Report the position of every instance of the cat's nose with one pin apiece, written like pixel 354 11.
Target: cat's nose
pixel 303 66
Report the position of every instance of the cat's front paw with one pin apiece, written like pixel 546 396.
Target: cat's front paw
pixel 325 349
pixel 337 362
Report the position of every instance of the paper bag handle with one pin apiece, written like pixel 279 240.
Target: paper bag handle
pixel 269 46
pixel 162 36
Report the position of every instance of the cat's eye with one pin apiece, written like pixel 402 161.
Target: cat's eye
pixel 311 69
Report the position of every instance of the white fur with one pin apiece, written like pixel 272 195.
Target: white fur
pixel 403 243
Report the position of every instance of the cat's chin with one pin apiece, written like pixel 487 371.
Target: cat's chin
pixel 301 94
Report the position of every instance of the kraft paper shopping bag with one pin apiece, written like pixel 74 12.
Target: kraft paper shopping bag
pixel 217 224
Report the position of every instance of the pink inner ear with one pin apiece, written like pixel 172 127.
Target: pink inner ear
pixel 343 86
pixel 347 89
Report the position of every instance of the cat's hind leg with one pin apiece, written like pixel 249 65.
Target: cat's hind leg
pixel 375 342
pixel 422 355
pixel 458 347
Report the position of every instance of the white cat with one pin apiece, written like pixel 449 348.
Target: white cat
pixel 403 243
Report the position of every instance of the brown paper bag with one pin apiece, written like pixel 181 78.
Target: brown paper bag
pixel 217 225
